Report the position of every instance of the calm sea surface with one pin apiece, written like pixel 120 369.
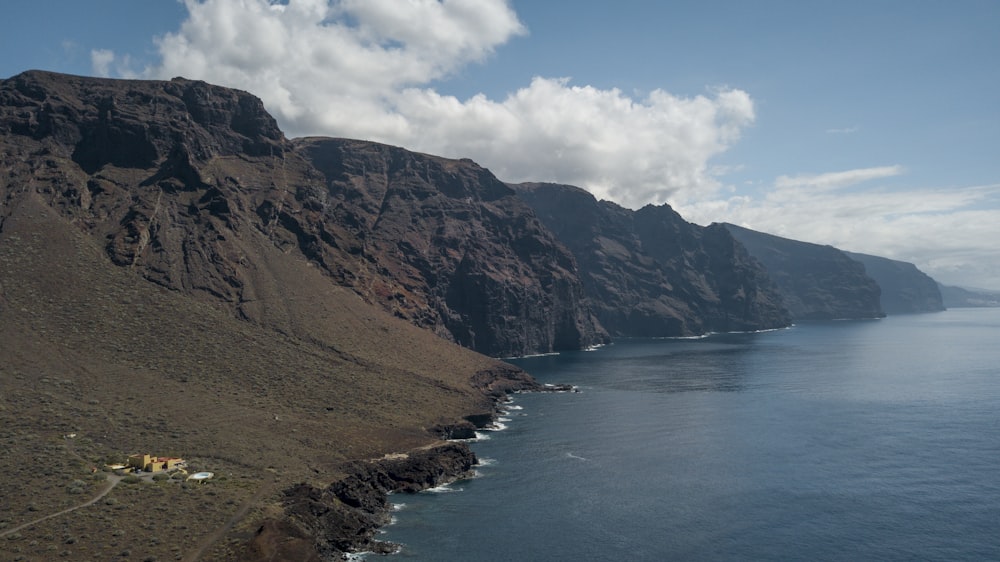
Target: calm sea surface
pixel 854 440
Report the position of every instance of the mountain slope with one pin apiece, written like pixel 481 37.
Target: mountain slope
pixel 651 273
pixel 160 294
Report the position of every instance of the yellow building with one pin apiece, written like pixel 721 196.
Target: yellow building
pixel 149 463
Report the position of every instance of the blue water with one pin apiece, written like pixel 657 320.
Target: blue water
pixel 868 440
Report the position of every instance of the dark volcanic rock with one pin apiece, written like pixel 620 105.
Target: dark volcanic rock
pixel 817 282
pixel 346 516
pixel 905 289
pixel 651 273
pixel 185 181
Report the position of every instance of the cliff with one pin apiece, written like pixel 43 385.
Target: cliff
pixel 447 246
pixel 905 289
pixel 816 282
pixel 184 183
pixel 651 273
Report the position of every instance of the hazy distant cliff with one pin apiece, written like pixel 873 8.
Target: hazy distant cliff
pixel 816 282
pixel 651 273
pixel 905 289
pixel 959 297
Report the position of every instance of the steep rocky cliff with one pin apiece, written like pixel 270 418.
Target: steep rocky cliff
pixel 185 182
pixel 817 282
pixel 448 246
pixel 905 289
pixel 651 273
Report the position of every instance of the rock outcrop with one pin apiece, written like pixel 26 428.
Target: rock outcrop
pixel 345 516
pixel 816 282
pixel 651 273
pixel 905 289
pixel 185 182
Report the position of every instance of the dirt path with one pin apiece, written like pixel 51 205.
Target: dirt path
pixel 113 481
pixel 217 534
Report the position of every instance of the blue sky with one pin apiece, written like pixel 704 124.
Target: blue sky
pixel 868 125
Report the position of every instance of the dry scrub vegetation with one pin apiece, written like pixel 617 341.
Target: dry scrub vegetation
pixel 92 349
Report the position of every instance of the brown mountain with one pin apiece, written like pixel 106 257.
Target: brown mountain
pixel 177 278
pixel 816 282
pixel 651 273
pixel 182 181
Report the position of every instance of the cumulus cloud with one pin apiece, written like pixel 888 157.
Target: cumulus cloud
pixel 364 69
pixel 941 230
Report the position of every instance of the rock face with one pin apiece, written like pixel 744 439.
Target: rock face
pixel 905 289
pixel 448 246
pixel 184 181
pixel 651 273
pixel 817 282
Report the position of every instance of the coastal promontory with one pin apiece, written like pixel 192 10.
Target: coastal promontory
pixel 816 282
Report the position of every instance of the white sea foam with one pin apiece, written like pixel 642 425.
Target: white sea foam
pixel 572 456
pixel 398 506
pixel 443 489
pixel 532 355
pixel 486 461
pixel 513 407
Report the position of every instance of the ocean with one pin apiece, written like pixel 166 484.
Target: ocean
pixel 849 440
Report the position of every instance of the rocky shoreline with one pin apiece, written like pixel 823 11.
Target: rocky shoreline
pixel 330 523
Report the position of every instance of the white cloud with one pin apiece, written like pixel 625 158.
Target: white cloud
pixel 835 180
pixel 106 63
pixel 101 60
pixel 362 69
pixel 946 232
